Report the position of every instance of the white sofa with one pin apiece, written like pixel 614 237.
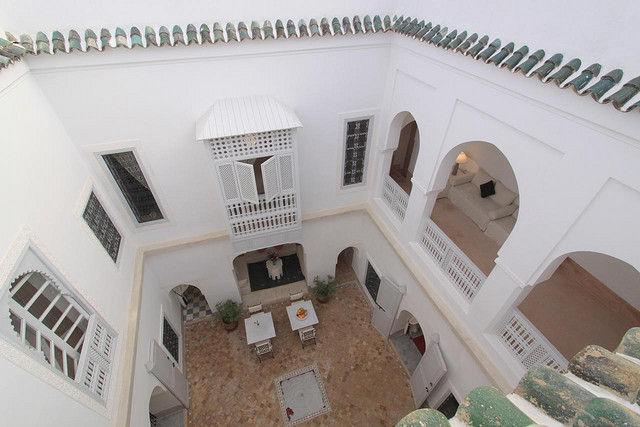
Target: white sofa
pixel 500 229
pixel 465 195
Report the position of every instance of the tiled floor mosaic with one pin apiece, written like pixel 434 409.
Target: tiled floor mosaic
pixel 365 381
pixel 197 306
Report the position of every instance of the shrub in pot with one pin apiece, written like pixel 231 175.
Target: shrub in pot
pixel 228 311
pixel 323 289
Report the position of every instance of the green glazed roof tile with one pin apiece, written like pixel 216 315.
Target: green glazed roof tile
pixel 605 412
pixel 4 62
pixel 500 56
pixel 165 38
pixel 91 40
pixel 313 28
pixel 218 33
pixel 192 34
pixel 548 66
pixel 27 43
pixel 57 42
pixel 256 33
pixel 368 24
pixel 527 65
pixel 445 41
pixel 377 23
pixel 565 71
pixel 178 35
pixel 516 58
pixel 424 417
pixel 467 43
pixel 291 29
pixel 490 50
pixel 423 31
pixel 10 37
pixel 105 38
pixel 325 27
pixel 150 36
pixel 630 343
pixel 431 34
pixel 302 28
pixel 578 83
pixel 280 34
pixel 387 23
pixel 415 29
pixel 606 82
pixel 476 48
pixel 335 25
pixel 346 25
pixel 486 406
pixel 205 34
pixel 231 32
pixel 121 38
pixel 136 37
pixel 357 25
pixel 74 41
pixel 243 32
pixel 11 50
pixel 439 36
pixel 267 29
pixel 457 41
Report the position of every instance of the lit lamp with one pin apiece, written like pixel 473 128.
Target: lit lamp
pixel 462 158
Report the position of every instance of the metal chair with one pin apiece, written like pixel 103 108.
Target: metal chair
pixel 264 347
pixel 307 334
pixel 253 309
pixel 296 296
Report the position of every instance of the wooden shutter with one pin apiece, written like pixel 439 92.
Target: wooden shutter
pixel 246 182
pixel 227 179
pixel 96 357
pixel 285 166
pixel 270 178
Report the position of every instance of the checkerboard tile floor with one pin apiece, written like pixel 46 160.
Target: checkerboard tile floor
pixel 197 307
pixel 364 379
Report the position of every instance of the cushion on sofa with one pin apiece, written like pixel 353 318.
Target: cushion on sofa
pixel 466 197
pixel 502 211
pixel 480 178
pixel 487 189
pixel 503 195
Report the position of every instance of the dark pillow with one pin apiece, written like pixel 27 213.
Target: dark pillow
pixel 487 189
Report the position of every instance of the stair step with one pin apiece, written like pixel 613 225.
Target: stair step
pixel 557 396
pixel 603 368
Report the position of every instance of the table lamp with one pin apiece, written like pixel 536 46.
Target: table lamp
pixel 462 158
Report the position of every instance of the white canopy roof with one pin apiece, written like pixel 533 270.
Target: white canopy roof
pixel 241 116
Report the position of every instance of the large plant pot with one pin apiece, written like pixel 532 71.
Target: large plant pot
pixel 230 326
pixel 323 299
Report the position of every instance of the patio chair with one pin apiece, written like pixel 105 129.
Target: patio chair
pixel 253 309
pixel 296 296
pixel 264 347
pixel 307 334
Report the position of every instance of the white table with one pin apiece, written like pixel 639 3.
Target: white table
pixel 274 269
pixel 259 327
pixel 297 323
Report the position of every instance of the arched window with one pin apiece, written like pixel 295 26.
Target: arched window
pixel 49 322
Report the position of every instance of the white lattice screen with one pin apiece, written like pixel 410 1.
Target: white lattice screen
pixel 395 197
pixel 252 145
pixel 97 357
pixel 270 178
pixel 227 179
pixel 246 182
pixel 287 178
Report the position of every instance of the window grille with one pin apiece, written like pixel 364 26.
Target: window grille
pixel 99 222
pixel 372 281
pixel 47 319
pixel 355 153
pixel 171 340
pixel 251 145
pixel 134 187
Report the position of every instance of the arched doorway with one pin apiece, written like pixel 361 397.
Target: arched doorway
pixel 479 203
pixel 194 304
pixel 164 409
pixel 345 272
pixel 408 340
pixel 584 298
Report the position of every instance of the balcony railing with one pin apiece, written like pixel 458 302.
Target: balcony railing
pixel 248 219
pixel 460 270
pixel 527 344
pixel 395 197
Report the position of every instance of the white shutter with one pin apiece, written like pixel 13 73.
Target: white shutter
pixel 96 357
pixel 228 184
pixel 270 178
pixel 285 165
pixel 246 182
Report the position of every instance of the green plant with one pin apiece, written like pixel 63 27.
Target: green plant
pixel 324 288
pixel 228 311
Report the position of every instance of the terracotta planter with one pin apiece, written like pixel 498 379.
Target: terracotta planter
pixel 230 326
pixel 323 299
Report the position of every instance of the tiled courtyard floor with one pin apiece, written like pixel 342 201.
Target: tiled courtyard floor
pixel 364 379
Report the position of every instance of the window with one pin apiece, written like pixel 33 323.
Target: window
pixel 49 322
pixel 134 186
pixel 102 226
pixel 355 151
pixel 170 339
pixel 372 281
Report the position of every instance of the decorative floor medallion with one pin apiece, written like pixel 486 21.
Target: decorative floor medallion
pixel 302 395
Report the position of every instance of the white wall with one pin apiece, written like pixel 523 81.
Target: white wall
pixel 489 158
pixel 43 179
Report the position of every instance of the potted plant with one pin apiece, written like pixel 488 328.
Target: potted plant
pixel 228 311
pixel 323 289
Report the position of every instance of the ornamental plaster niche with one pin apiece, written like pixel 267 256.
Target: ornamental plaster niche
pixel 20 356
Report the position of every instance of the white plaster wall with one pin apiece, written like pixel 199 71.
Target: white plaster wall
pixel 43 179
pixel 494 163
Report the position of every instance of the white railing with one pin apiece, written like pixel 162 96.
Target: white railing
pixel 527 344
pixel 462 272
pixel 395 197
pixel 248 219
